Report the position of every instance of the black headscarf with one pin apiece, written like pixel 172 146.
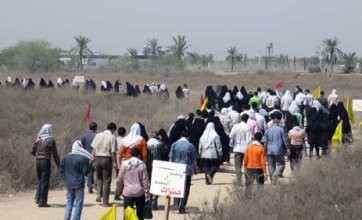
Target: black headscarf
pixel 343 115
pixel 177 129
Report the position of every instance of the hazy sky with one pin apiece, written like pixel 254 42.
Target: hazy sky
pixel 211 26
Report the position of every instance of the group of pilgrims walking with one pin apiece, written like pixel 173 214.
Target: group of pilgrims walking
pixel 260 128
pixel 89 85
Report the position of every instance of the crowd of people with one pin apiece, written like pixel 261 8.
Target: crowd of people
pixel 89 85
pixel 258 127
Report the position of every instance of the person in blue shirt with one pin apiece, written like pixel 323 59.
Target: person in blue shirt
pixel 86 143
pixel 276 141
pixel 75 166
pixel 182 151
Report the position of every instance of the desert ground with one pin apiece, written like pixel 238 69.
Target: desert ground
pixel 22 205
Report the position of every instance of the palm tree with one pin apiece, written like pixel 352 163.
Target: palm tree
pixel 350 61
pixel 132 53
pixel 152 48
pixel 233 56
pixel 330 52
pixel 133 59
pixel 81 49
pixel 179 46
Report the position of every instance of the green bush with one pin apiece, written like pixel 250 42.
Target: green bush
pixel 32 56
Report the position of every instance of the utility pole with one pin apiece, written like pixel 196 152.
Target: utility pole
pixel 295 64
pixel 269 49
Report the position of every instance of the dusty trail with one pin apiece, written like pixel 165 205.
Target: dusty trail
pixel 22 206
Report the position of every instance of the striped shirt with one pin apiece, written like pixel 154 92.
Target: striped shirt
pixel 275 138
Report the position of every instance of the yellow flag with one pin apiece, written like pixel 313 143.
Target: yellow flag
pixel 350 110
pixel 130 214
pixel 203 107
pixel 317 92
pixel 110 214
pixel 337 136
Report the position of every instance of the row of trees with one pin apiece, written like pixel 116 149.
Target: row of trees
pixel 39 56
pixel 330 54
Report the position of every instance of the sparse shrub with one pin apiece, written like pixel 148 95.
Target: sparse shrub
pixel 314 69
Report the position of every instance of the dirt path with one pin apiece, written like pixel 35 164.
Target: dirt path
pixel 22 206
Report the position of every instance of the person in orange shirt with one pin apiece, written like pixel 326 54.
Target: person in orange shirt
pixel 255 163
pixel 133 140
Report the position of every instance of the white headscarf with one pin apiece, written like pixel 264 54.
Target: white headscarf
pixel 293 108
pixel 226 97
pixel 45 132
pixel 104 84
pixel 239 95
pixel 334 92
pixel 133 136
pixel 74 83
pixel 77 148
pixel 25 83
pixel 319 106
pixel 286 100
pixel 132 163
pixel 209 135
pixel 9 79
pixel 181 117
pixel 224 111
pixel 163 87
pixel 60 81
pixel 297 128
pixel 152 142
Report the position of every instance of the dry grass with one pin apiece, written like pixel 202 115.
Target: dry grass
pixel 324 189
pixel 24 112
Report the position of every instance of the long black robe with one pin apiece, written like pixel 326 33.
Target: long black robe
pixel 42 83
pixel 211 95
pixel 50 84
pixel 116 86
pixel 179 93
pixel 177 129
pixel 224 138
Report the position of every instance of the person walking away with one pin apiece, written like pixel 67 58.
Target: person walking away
pixel 133 140
pixel 86 143
pixel 297 136
pixel 240 138
pixel 255 99
pixel 323 100
pixel 121 133
pixel 104 151
pixel 75 166
pixel 333 98
pixel 183 152
pixel 43 149
pixel 156 151
pixel 134 183
pixel 210 151
pixel 275 140
pixel 255 163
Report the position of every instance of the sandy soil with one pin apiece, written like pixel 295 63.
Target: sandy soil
pixel 22 205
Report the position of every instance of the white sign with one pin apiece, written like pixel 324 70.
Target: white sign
pixel 357 105
pixel 168 179
pixel 79 79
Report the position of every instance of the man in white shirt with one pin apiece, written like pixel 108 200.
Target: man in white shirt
pixel 240 138
pixel 186 91
pixel 299 99
pixel 234 117
pixel 104 151
pixel 260 120
pixel 308 101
